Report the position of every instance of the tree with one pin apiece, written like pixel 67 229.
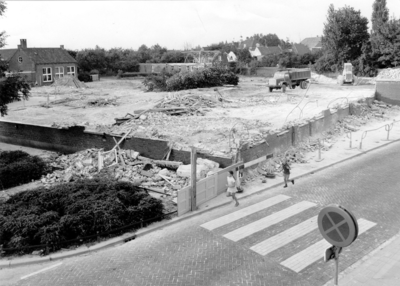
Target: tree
pixel 90 59
pixel 345 32
pixel 380 16
pixel 11 88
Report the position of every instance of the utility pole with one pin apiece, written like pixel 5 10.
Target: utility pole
pixel 193 176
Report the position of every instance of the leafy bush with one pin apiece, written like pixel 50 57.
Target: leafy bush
pixel 69 213
pixel 85 77
pixel 18 167
pixel 207 77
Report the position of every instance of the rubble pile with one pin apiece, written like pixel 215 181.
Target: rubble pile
pixel 390 73
pixel 188 130
pixel 163 177
pixel 98 102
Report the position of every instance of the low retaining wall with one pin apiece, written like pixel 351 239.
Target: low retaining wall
pixel 388 91
pixel 280 142
pixel 76 138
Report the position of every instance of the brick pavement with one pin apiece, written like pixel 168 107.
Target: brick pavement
pixel 187 254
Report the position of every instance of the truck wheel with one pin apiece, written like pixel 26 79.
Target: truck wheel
pixel 293 86
pixel 271 89
pixel 303 85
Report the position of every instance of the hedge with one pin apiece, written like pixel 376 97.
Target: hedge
pixel 66 213
pixel 18 167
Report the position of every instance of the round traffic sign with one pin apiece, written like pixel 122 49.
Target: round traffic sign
pixel 337 225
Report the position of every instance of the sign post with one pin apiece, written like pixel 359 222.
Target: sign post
pixel 339 227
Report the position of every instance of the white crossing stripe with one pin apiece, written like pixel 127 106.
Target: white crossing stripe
pixel 265 222
pixel 315 252
pixel 286 237
pixel 244 212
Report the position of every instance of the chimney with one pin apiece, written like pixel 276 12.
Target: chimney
pixel 62 47
pixel 23 44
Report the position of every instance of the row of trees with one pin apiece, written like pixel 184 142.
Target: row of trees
pixel 346 39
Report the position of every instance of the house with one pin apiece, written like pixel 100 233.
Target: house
pixel 314 43
pixel 40 65
pixel 249 43
pixel 261 52
pixel 231 57
pixel 300 49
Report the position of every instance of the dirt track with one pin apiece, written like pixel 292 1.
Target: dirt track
pixel 249 103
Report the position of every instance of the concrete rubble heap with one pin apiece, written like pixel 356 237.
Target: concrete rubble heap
pixel 127 166
pixel 391 73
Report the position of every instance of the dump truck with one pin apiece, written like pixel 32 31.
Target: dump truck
pixel 289 78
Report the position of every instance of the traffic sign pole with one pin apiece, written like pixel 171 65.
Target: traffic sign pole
pixel 336 282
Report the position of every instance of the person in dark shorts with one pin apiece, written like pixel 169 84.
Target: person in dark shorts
pixel 286 172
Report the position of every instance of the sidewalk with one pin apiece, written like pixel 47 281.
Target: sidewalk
pixel 339 152
pixel 380 267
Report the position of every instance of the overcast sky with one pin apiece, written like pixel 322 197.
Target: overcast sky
pixel 129 24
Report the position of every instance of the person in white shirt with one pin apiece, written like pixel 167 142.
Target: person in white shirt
pixel 232 190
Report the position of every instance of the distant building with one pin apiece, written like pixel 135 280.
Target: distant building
pixel 40 65
pixel 249 43
pixel 314 43
pixel 300 49
pixel 231 57
pixel 261 52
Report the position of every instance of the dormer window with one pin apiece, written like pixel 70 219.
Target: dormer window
pixel 20 59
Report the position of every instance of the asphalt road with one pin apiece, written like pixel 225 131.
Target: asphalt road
pixel 189 254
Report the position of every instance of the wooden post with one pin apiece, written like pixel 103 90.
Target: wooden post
pixel 193 177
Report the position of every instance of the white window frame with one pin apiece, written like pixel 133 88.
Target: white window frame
pixel 20 59
pixel 59 72
pixel 69 70
pixel 47 74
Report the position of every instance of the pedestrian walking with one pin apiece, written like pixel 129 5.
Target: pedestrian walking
pixel 232 190
pixel 286 172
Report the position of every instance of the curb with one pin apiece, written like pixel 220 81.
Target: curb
pixel 125 238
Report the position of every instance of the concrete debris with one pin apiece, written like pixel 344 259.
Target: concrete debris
pixel 102 102
pixel 390 73
pixel 138 170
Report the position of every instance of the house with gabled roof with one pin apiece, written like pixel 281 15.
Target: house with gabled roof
pixel 40 65
pixel 313 43
pixel 300 49
pixel 261 52
pixel 249 43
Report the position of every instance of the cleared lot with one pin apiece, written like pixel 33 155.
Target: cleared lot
pixel 248 109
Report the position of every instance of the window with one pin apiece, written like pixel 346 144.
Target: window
pixel 71 70
pixel 20 59
pixel 59 72
pixel 47 76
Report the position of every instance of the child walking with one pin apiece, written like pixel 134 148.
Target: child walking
pixel 286 172
pixel 232 190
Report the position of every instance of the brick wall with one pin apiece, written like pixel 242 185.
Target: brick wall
pixel 75 139
pixel 26 65
pixel 39 72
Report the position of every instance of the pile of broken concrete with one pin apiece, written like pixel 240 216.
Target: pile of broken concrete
pixel 164 177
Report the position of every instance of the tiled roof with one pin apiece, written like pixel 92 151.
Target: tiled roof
pixel 300 49
pixel 7 54
pixel 311 43
pixel 49 55
pixel 249 43
pixel 270 50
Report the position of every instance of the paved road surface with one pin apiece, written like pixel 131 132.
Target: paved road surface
pixel 273 242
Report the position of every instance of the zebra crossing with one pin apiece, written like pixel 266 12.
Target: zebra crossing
pixel 298 261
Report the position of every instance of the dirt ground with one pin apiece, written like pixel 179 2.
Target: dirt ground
pixel 249 109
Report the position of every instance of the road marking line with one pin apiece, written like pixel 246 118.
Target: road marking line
pixel 265 222
pixel 40 271
pixel 285 237
pixel 315 252
pixel 244 212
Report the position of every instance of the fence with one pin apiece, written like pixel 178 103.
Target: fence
pixel 206 189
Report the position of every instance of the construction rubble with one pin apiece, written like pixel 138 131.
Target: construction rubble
pixel 156 176
pixel 390 73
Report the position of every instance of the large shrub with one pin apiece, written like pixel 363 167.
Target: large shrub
pixel 208 77
pixel 69 213
pixel 18 167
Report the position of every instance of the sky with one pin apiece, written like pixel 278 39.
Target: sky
pixel 171 24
